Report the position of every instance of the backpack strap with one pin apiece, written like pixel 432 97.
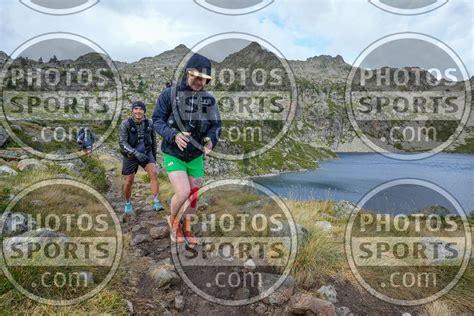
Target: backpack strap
pixel 131 125
pixel 147 124
pixel 173 97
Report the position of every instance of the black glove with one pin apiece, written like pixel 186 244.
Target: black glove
pixel 142 158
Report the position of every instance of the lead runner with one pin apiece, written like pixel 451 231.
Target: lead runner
pixel 183 125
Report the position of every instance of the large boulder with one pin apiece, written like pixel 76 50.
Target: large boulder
pixel 280 295
pixel 75 166
pixel 29 164
pixel 325 226
pixel 7 170
pixel 16 223
pixel 306 304
pixel 160 232
pixel 443 253
pixel 3 137
pixel 163 273
pixel 255 206
pixel 9 155
pixel 21 242
pixel 343 209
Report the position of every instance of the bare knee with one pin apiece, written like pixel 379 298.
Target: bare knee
pixel 183 194
pixel 152 175
pixel 128 181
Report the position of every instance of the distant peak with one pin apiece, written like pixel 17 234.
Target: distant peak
pixel 328 58
pixel 181 47
pixel 254 46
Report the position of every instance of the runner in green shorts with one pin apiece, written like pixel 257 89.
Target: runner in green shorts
pixel 187 117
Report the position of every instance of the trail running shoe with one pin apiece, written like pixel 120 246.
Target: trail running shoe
pixel 191 241
pixel 176 232
pixel 157 205
pixel 128 208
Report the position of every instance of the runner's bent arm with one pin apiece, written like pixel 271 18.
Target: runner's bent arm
pixel 123 139
pixel 162 112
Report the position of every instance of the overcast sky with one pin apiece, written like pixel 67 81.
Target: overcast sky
pixel 131 29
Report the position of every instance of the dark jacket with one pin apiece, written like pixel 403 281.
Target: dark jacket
pixel 129 133
pixel 179 109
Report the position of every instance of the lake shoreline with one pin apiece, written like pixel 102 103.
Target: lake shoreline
pixel 349 176
pixel 350 153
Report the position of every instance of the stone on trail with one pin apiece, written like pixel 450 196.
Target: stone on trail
pixel 163 273
pixel 147 208
pixel 343 311
pixel 129 306
pixel 140 238
pixel 261 309
pixel 139 252
pixel 306 304
pixel 136 228
pixel 328 293
pixel 250 265
pixel 242 294
pixel 179 302
pixel 159 232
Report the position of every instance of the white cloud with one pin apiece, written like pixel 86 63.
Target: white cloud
pixel 130 30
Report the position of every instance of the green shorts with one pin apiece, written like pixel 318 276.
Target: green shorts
pixel 194 168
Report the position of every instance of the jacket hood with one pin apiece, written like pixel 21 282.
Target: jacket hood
pixel 198 62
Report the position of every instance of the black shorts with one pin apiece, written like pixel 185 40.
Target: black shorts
pixel 130 165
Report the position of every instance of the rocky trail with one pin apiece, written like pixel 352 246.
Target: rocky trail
pixel 151 285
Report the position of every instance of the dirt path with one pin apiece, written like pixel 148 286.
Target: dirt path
pixel 143 252
pixel 138 286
